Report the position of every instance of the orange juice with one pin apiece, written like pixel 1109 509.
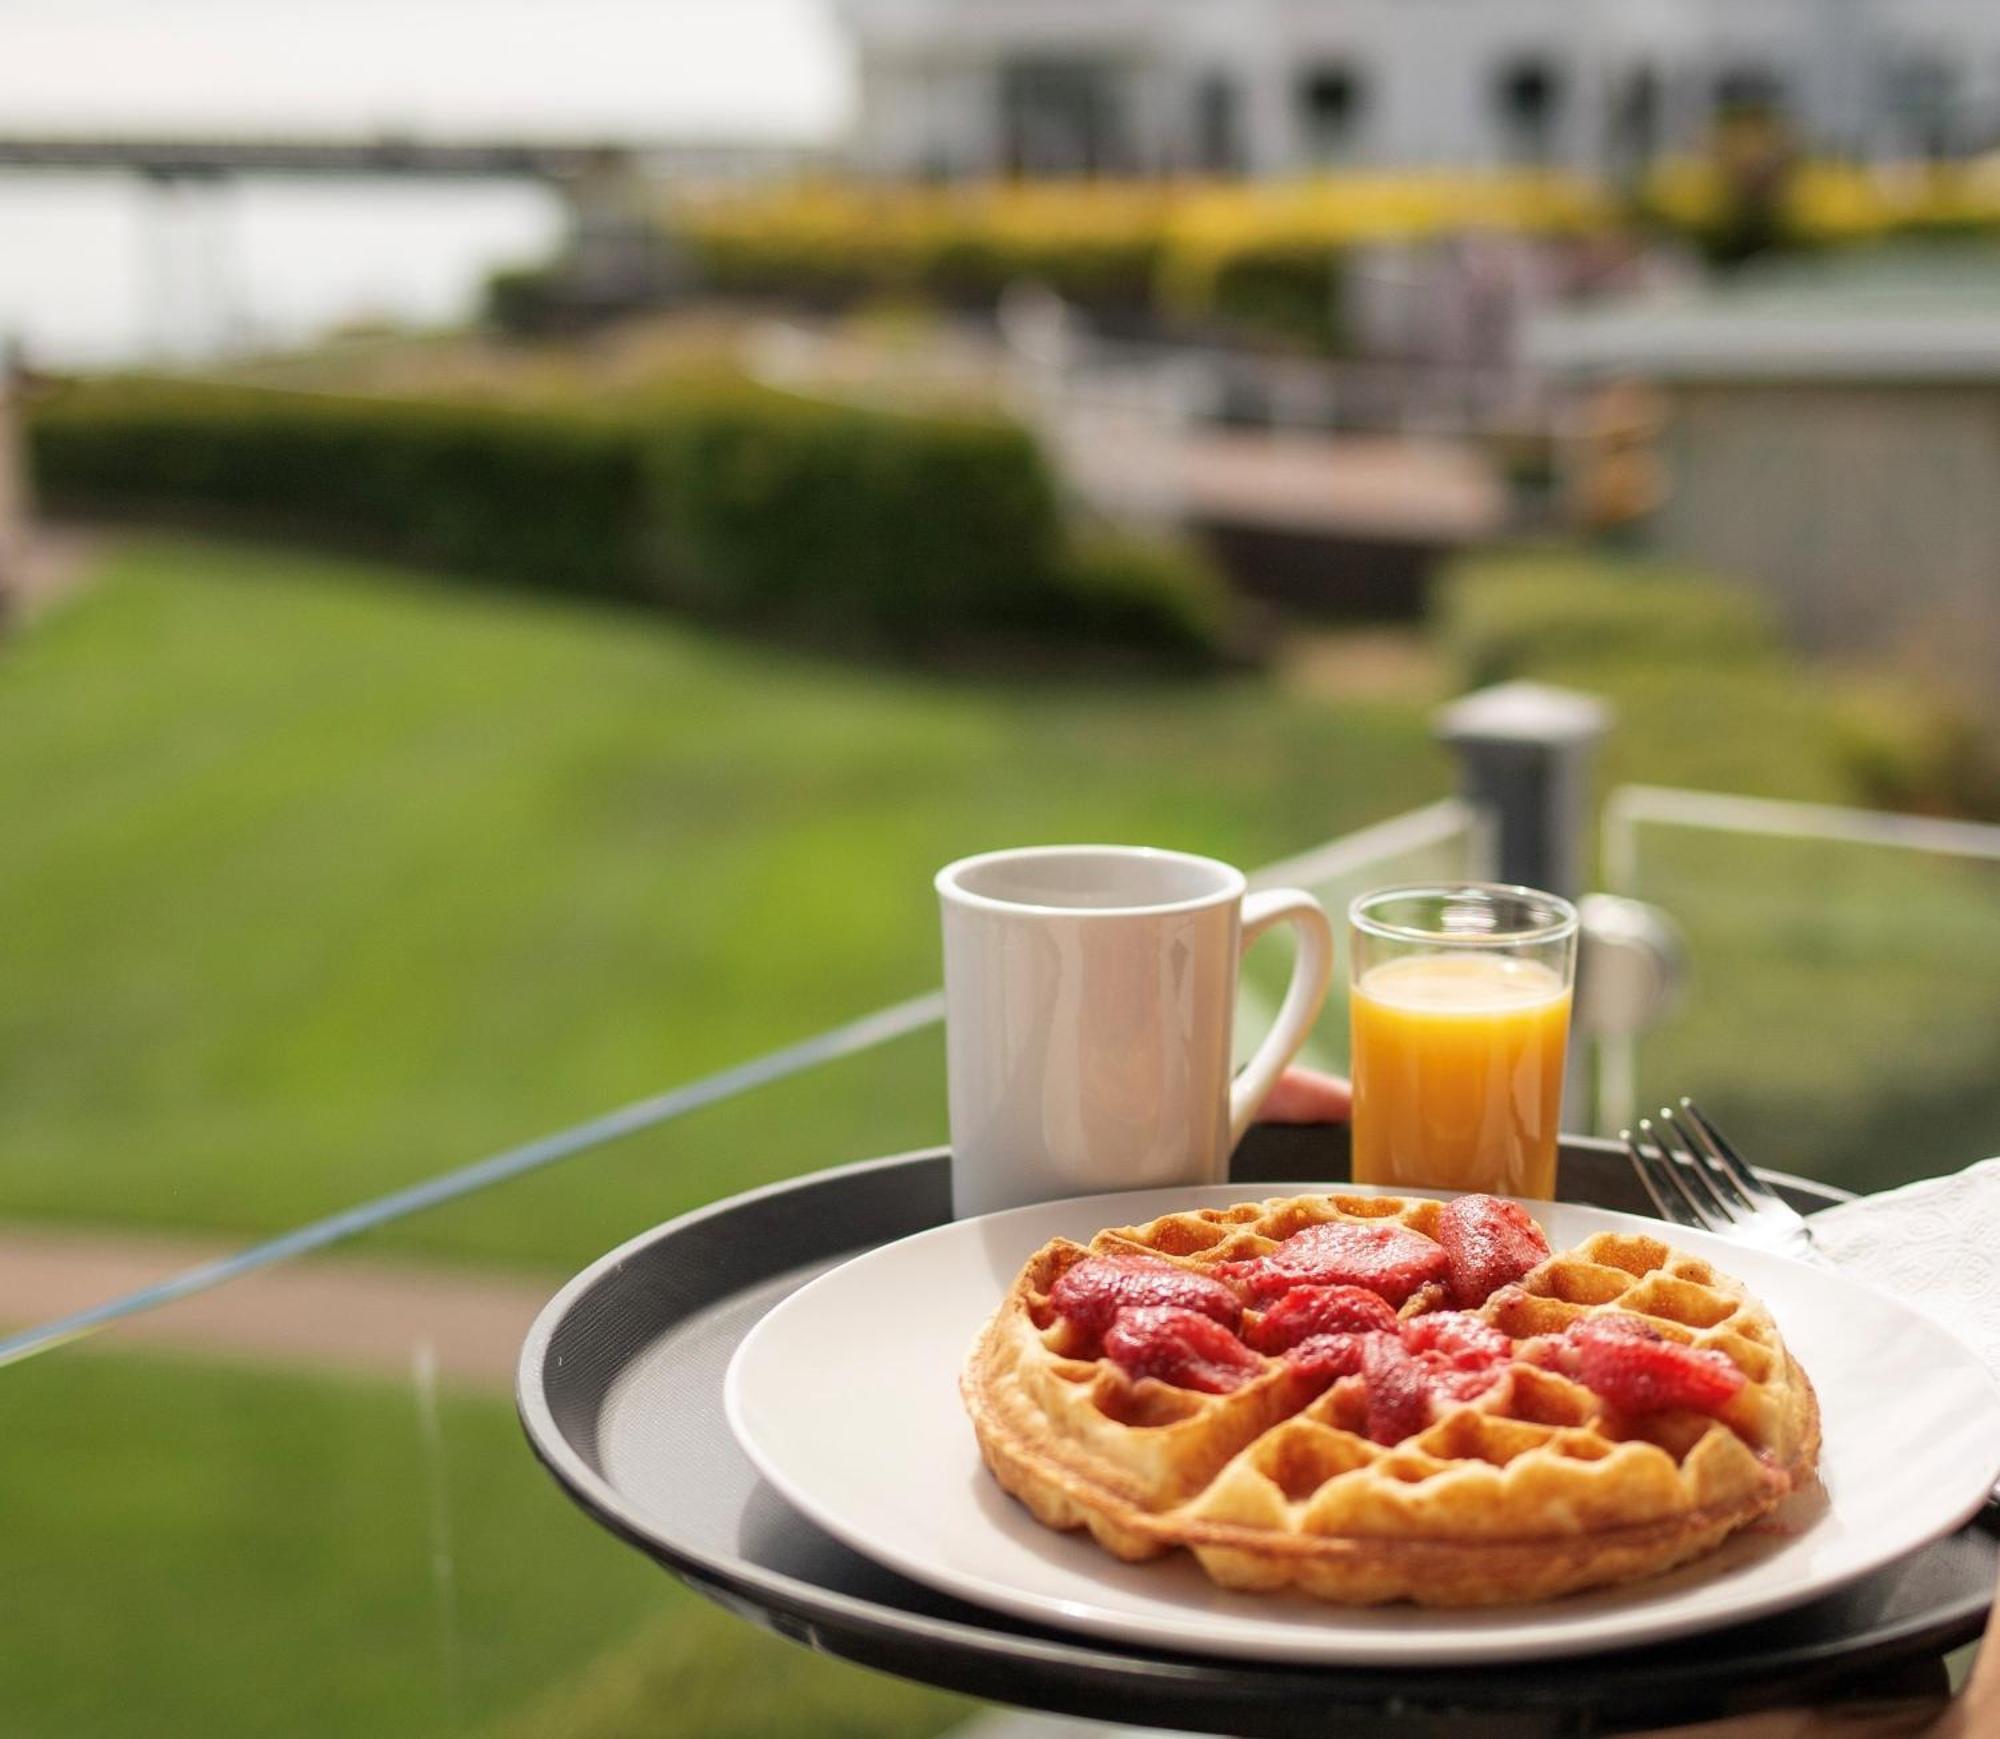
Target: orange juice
pixel 1458 1073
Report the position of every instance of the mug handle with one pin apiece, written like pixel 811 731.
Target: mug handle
pixel 1312 974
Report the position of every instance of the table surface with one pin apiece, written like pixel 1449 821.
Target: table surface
pixel 621 1395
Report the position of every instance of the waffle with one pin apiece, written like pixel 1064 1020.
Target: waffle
pixel 1534 1488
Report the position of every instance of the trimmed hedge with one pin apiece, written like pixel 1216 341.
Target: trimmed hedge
pixel 1130 589
pixel 1519 614
pixel 1292 291
pixel 554 501
pixel 723 500
pixel 1919 747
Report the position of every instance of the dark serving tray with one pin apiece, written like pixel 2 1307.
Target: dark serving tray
pixel 620 1391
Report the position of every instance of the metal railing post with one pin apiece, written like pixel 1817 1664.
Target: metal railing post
pixel 1524 755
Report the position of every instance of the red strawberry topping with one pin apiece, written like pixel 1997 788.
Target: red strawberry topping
pixel 1399 1393
pixel 1462 1356
pixel 1488 1244
pixel 1634 1367
pixel 1386 1258
pixel 1408 1370
pixel 1308 1311
pixel 1179 1347
pixel 1093 1292
pixel 1323 1357
pixel 1457 1340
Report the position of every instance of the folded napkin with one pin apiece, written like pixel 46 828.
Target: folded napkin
pixel 1934 1245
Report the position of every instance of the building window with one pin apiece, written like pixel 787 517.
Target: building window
pixel 1331 99
pixel 1635 119
pixel 1528 95
pixel 1218 126
pixel 1922 96
pixel 1749 92
pixel 1061 117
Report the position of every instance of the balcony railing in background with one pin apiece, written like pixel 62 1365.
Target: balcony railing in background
pixel 281 1515
pixel 1845 979
pixel 1843 990
pixel 1428 842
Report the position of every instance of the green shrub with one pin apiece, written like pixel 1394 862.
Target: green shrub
pixel 547 498
pixel 721 499
pixel 1133 591
pixel 1289 291
pixel 1524 613
pixel 526 300
pixel 909 526
pixel 1914 749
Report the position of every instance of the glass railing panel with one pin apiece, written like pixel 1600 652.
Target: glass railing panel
pixel 236 1543
pixel 889 1098
pixel 1435 843
pixel 298 1501
pixel 1842 1000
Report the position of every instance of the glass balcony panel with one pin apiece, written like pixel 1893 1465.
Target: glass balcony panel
pixel 1843 999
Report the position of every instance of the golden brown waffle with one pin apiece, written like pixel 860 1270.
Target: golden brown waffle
pixel 1533 1489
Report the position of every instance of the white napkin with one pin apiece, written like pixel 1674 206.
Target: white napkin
pixel 1934 1244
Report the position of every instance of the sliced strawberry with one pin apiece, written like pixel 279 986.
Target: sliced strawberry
pixel 1399 1392
pixel 1180 1347
pixel 1632 1365
pixel 1488 1244
pixel 1462 1356
pixel 1099 1287
pixel 1307 1311
pixel 1324 1357
pixel 1380 1255
pixel 1458 1338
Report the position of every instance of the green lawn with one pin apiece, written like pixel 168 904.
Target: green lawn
pixel 327 879
pixel 1842 1012
pixel 195 1549
pixel 322 879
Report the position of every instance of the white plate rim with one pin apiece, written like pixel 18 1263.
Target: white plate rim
pixel 1253 1638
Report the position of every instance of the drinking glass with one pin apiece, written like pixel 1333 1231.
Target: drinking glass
pixel 1460 1005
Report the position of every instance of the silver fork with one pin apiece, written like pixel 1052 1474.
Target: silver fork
pixel 1697 1179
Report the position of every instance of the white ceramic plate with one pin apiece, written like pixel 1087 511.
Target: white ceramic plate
pixel 846 1398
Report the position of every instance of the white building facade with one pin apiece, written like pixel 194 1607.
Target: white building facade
pixel 976 88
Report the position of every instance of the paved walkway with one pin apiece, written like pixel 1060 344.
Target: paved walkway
pixel 365 1315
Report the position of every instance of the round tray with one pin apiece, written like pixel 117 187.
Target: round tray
pixel 620 1391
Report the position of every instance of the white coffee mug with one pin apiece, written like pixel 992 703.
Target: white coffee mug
pixel 1090 996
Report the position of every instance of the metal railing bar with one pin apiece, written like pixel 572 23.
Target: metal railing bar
pixel 1721 813
pixel 1629 807
pixel 1431 825
pixel 1412 831
pixel 870 1030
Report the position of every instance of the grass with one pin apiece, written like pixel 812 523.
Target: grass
pixel 192 1548
pixel 323 879
pixel 1843 1000
pixel 1842 1007
pixel 334 879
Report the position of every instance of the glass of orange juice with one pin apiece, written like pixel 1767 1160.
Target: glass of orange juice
pixel 1460 1006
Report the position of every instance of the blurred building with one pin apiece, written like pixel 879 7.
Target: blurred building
pixel 955 88
pixel 1830 434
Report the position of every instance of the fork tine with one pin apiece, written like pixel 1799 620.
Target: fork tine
pixel 1664 1182
pixel 1728 1158
pixel 1717 1177
pixel 1717 1213
pixel 1667 1201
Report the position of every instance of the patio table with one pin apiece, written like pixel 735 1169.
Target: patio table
pixel 620 1391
